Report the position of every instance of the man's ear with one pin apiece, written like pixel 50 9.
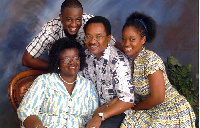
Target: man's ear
pixel 108 38
pixel 60 15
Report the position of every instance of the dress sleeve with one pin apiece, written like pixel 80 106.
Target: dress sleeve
pixel 153 64
pixel 32 100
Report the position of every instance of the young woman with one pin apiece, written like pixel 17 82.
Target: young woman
pixel 158 104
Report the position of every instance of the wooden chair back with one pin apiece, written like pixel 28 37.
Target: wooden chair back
pixel 20 84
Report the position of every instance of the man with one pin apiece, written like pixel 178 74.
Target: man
pixel 109 70
pixel 69 24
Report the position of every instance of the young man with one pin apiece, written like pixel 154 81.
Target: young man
pixel 109 70
pixel 69 24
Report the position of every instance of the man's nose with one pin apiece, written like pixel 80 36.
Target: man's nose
pixel 73 23
pixel 93 40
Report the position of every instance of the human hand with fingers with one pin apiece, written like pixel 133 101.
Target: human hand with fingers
pixel 95 122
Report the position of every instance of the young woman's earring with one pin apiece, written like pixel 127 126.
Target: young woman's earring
pixel 58 68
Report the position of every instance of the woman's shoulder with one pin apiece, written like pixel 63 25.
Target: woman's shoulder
pixel 150 55
pixel 47 76
pixel 83 79
pixel 147 57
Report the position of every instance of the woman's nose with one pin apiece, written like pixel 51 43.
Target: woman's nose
pixel 125 42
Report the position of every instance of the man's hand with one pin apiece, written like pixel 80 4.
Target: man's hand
pixel 95 122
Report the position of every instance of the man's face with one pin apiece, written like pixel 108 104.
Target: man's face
pixel 96 39
pixel 71 19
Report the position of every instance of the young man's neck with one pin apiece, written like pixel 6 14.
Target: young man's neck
pixel 71 37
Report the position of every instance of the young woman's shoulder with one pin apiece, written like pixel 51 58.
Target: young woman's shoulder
pixel 151 55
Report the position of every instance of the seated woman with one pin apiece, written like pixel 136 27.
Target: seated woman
pixel 61 98
pixel 158 104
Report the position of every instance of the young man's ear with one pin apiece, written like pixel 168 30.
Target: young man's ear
pixel 60 15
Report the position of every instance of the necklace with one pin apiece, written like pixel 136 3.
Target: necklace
pixel 65 81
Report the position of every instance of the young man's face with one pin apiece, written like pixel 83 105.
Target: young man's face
pixel 96 39
pixel 71 19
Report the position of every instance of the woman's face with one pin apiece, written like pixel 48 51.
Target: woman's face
pixel 69 62
pixel 132 42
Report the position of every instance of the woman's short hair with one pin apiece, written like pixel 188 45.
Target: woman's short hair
pixel 60 45
pixel 143 23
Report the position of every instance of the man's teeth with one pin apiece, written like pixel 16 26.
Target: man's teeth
pixel 73 29
pixel 93 46
pixel 128 49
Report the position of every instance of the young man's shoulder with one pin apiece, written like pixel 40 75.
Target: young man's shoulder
pixel 54 22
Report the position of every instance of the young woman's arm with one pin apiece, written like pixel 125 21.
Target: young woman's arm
pixel 157 90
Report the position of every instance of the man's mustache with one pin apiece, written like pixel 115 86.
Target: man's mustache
pixel 93 45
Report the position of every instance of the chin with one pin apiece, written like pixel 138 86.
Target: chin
pixel 127 52
pixel 72 33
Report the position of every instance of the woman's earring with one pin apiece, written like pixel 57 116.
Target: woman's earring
pixel 58 68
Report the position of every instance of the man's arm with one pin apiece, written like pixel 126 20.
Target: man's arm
pixel 29 61
pixel 116 108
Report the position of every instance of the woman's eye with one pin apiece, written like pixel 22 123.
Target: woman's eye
pixel 123 39
pixel 132 39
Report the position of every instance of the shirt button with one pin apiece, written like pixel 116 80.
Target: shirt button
pixel 66 112
pixel 69 106
pixel 70 99
pixel 65 118
pixel 65 124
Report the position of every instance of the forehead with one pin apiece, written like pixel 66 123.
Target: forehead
pixel 131 30
pixel 72 12
pixel 69 52
pixel 95 28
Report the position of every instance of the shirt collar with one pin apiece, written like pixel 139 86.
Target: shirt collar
pixel 105 55
pixel 140 54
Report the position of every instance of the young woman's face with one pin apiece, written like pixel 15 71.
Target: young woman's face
pixel 132 42
pixel 69 62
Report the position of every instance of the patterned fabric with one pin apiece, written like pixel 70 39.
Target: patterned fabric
pixel 174 112
pixel 53 30
pixel 111 75
pixel 49 100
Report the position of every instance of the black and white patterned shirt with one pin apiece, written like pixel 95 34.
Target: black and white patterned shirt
pixel 111 75
pixel 52 31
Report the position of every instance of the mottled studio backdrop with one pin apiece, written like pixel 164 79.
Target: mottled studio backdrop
pixel 21 20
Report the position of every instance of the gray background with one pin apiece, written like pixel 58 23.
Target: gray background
pixel 21 21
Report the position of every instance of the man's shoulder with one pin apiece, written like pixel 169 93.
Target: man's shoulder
pixel 54 22
pixel 86 17
pixel 116 53
pixel 52 26
pixel 116 57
